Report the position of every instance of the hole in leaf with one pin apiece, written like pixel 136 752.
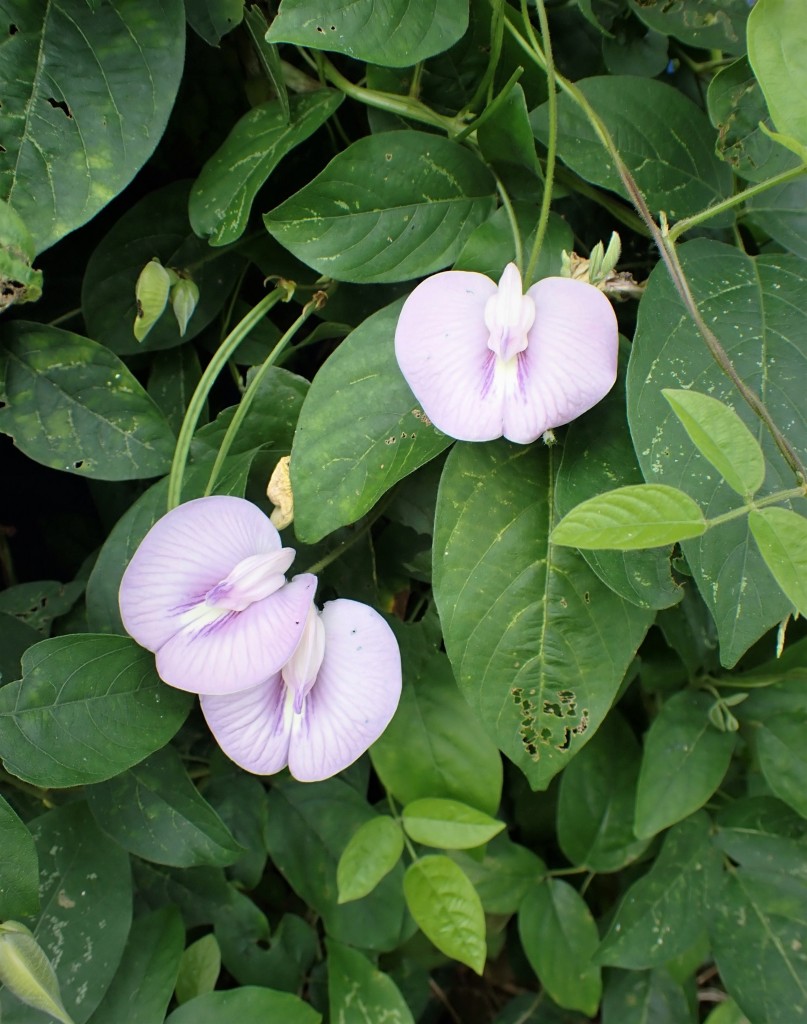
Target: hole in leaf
pixel 61 105
pixel 79 464
pixel 12 29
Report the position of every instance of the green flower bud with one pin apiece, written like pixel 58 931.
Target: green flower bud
pixel 151 293
pixel 26 971
pixel 184 297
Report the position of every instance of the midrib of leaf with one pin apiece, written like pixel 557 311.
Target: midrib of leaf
pixel 35 85
pixel 773 938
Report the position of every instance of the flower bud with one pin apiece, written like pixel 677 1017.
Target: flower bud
pixel 184 298
pixel 151 294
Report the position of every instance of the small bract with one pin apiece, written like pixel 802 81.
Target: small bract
pixel 487 361
pixel 333 698
pixel 207 592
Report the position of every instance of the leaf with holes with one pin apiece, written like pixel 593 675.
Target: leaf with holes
pixel 754 306
pixel 388 208
pixel 86 98
pixel 709 24
pixel 538 643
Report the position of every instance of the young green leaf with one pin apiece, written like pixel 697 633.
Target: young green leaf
pixel 27 972
pixel 447 909
pixel 637 516
pixel 559 936
pixel 777 38
pixel 448 824
pixel 781 537
pixel 372 852
pixel 199 968
pixel 720 436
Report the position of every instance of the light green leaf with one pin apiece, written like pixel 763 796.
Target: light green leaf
pixel 684 761
pixel 221 198
pixel 754 305
pixel 73 405
pixel 397 34
pixel 539 645
pixel 447 909
pixel 372 852
pixel 359 993
pixel 720 436
pixel 781 537
pixel 777 37
pixel 250 1004
pixel 87 97
pixel 663 914
pixel 199 968
pixel 449 824
pixel 389 208
pixel 360 431
pixel 144 982
pixel 727 1012
pixel 70 719
pixel 783 758
pixel 213 19
pixel 665 140
pixel 559 936
pixel 27 973
pixel 597 797
pixel 19 869
pixel 435 745
pixel 636 516
pixel 154 811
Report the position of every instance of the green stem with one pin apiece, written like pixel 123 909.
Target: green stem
pixel 743 510
pixel 252 390
pixel 362 532
pixel 65 316
pixel 511 216
pixel 203 388
pixel 414 84
pixel 552 142
pixel 728 204
pixel 496 39
pixel 492 108
pixel 617 209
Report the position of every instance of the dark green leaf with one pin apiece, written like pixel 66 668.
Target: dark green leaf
pixel 73 405
pixel 15 639
pixel 684 761
pixel 257 26
pixel 664 139
pixel 19 868
pixel 360 993
pixel 490 247
pixel 389 208
pixel 708 24
pixel 783 758
pixel 646 997
pixel 764 834
pixel 398 34
pixel 221 198
pixel 360 431
pixel 503 876
pixel 781 212
pixel 528 626
pixel 86 708
pixel 87 96
pixel 212 19
pixel 154 811
pixel 172 381
pixel 38 604
pixel 663 913
pixel 559 937
pixel 248 1005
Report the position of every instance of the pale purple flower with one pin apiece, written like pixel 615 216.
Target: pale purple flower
pixel 207 592
pixel 332 699
pixel 486 361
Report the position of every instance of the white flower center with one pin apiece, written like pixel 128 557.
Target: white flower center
pixel 509 314
pixel 300 671
pixel 253 579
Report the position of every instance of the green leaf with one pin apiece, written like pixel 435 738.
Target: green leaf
pixel 19 282
pixel 199 968
pixel 763 833
pixel 646 997
pixel 213 19
pixel 777 36
pixel 684 761
pixel 783 759
pixel 559 937
pixel 38 604
pixel 663 914
pixel 781 537
pixel 447 909
pixel 596 800
pixel 360 431
pixel 154 811
pixel 27 973
pixel 636 516
pixel 309 827
pixel 389 208
pixel 155 227
pixel 435 746
pixel 87 97
pixel 736 107
pixel 721 437
pixel 766 349
pixel 503 875
pixel 73 405
pixel 360 993
pixel 19 868
pixel 15 639
pixel 507 143
pixel 222 196
pixel 144 982
pixel 449 824
pixel 257 26
pixel 757 925
pixel 86 899
pixel 539 645
pixel 397 35
pixel 172 380
pixel 372 852
pixel 490 247
pixel 708 24
pixel 727 1012
pixel 781 212
pixel 250 1004
pixel 664 139
pixel 86 708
